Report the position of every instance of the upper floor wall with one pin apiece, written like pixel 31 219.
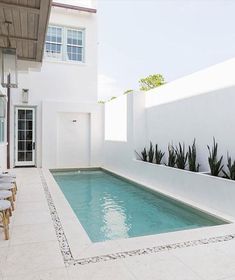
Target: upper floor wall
pixel 69 68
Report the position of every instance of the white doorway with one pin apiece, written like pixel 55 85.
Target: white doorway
pixel 73 140
pixel 24 136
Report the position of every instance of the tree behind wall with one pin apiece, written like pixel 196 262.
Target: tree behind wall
pixel 152 81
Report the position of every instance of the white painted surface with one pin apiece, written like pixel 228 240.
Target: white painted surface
pixel 204 191
pixel 57 81
pixel 116 119
pixel 201 116
pixel 51 142
pixel 73 139
pixel 199 106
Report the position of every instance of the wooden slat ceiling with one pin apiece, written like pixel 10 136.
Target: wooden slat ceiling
pixel 28 29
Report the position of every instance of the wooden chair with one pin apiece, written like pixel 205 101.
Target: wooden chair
pixel 7 195
pixel 5 207
pixel 8 187
pixel 8 179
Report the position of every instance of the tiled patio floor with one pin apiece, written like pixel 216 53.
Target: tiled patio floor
pixel 33 251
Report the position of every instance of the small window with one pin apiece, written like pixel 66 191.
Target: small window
pixel 54 42
pixel 75 45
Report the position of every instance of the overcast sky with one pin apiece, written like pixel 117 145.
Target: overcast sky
pixel 171 37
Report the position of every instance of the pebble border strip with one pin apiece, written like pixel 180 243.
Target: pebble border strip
pixel 67 254
pixel 61 237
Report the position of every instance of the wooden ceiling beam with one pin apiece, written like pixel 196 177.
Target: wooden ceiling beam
pixel 19 38
pixel 45 10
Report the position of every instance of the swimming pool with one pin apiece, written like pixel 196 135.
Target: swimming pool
pixel 110 207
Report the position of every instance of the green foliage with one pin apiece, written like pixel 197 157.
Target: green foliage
pixel 215 164
pixel 171 156
pixel 143 155
pixel 192 158
pixel 101 102
pixel 151 153
pixel 181 156
pixel 152 81
pixel 113 97
pixel 158 155
pixel 231 169
pixel 128 91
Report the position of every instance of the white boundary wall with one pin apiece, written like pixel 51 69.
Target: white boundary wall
pixel 201 106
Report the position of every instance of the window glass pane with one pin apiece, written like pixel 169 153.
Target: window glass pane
pixel 53 46
pixel 29 156
pixel 29 145
pixel 21 145
pixel 21 135
pixel 21 114
pixel 29 135
pixel 21 125
pixel 74 37
pixel 74 53
pixel 29 125
pixel 29 115
pixel 21 156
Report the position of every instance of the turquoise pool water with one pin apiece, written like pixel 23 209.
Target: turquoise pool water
pixel 109 207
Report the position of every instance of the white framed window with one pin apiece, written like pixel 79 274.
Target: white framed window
pixel 54 42
pixel 75 45
pixel 65 44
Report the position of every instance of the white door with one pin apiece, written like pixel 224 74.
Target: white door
pixel 25 136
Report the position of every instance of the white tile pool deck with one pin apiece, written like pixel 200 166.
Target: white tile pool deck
pixel 33 251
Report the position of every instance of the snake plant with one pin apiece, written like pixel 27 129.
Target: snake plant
pixel 214 163
pixel 151 153
pixel 181 156
pixel 231 169
pixel 171 156
pixel 192 158
pixel 158 155
pixel 143 155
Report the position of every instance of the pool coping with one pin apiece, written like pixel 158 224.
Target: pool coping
pixel 82 251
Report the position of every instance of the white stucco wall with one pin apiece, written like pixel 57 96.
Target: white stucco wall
pixel 53 82
pixel 50 130
pixel 200 106
pixel 201 117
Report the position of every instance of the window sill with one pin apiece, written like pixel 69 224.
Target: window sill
pixel 78 63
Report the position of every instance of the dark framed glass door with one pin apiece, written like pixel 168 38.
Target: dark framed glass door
pixel 25 136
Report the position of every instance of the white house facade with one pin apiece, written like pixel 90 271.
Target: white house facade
pixel 55 118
